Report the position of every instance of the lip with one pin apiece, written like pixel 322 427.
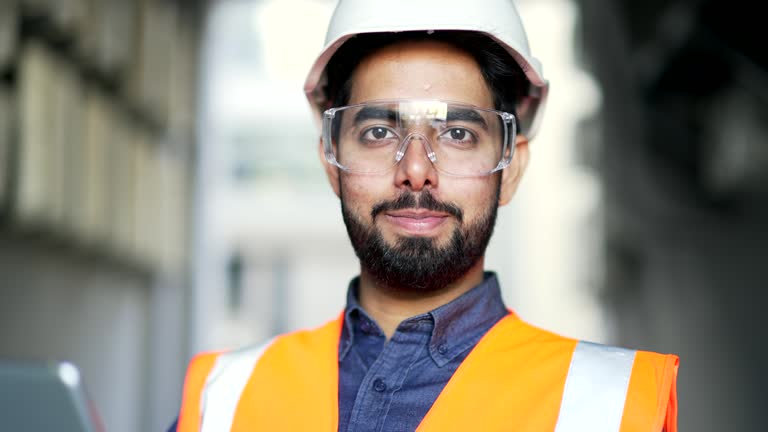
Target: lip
pixel 416 222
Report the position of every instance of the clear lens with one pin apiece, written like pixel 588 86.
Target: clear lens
pixel 460 140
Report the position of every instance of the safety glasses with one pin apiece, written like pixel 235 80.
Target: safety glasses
pixel 460 140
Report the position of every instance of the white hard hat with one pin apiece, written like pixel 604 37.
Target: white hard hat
pixel 497 19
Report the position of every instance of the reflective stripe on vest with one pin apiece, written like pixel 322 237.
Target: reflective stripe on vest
pixel 595 389
pixel 224 386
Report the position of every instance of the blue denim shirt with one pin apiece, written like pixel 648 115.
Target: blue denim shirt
pixel 390 386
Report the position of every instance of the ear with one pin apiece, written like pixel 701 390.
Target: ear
pixel 331 171
pixel 511 176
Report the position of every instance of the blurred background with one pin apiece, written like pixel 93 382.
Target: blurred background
pixel 160 192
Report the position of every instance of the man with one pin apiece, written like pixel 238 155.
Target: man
pixel 427 111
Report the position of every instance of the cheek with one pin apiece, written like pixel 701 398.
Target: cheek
pixel 361 193
pixel 474 196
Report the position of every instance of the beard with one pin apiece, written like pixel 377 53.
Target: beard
pixel 419 264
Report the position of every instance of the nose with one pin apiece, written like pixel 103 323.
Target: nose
pixel 416 169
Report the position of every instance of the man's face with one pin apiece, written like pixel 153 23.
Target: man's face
pixel 414 228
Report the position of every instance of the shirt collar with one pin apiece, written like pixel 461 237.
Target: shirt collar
pixel 351 312
pixel 458 325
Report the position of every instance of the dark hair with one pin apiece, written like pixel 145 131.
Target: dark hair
pixel 502 74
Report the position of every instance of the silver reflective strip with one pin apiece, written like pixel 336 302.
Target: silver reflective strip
pixel 224 386
pixel 595 389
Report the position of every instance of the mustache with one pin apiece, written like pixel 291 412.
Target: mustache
pixel 425 200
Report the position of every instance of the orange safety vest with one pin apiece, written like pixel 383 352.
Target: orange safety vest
pixel 518 377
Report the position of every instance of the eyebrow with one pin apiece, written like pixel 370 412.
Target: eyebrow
pixel 383 113
pixel 375 113
pixel 467 115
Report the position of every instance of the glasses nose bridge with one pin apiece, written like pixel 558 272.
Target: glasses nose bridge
pixel 406 142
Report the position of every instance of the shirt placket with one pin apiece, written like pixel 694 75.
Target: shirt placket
pixel 386 376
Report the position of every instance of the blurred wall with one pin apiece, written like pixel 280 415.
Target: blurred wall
pixel 96 316
pixel 684 162
pixel 97 144
pixel 271 252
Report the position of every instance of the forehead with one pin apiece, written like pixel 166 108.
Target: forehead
pixel 420 70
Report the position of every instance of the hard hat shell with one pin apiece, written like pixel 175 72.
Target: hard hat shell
pixel 497 19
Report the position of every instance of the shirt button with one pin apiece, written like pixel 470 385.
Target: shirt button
pixel 379 385
pixel 442 349
pixel 365 326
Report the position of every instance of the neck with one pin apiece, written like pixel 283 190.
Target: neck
pixel 389 306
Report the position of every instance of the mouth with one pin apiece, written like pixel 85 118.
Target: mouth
pixel 415 221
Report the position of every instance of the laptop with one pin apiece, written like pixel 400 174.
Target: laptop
pixel 45 397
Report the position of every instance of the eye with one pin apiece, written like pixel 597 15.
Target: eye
pixel 458 134
pixel 378 133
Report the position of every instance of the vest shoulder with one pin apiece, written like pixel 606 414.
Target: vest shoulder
pixel 325 334
pixel 656 356
pixel 297 342
pixel 203 361
pixel 541 334
pixel 654 364
pixel 533 332
pixel 641 356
